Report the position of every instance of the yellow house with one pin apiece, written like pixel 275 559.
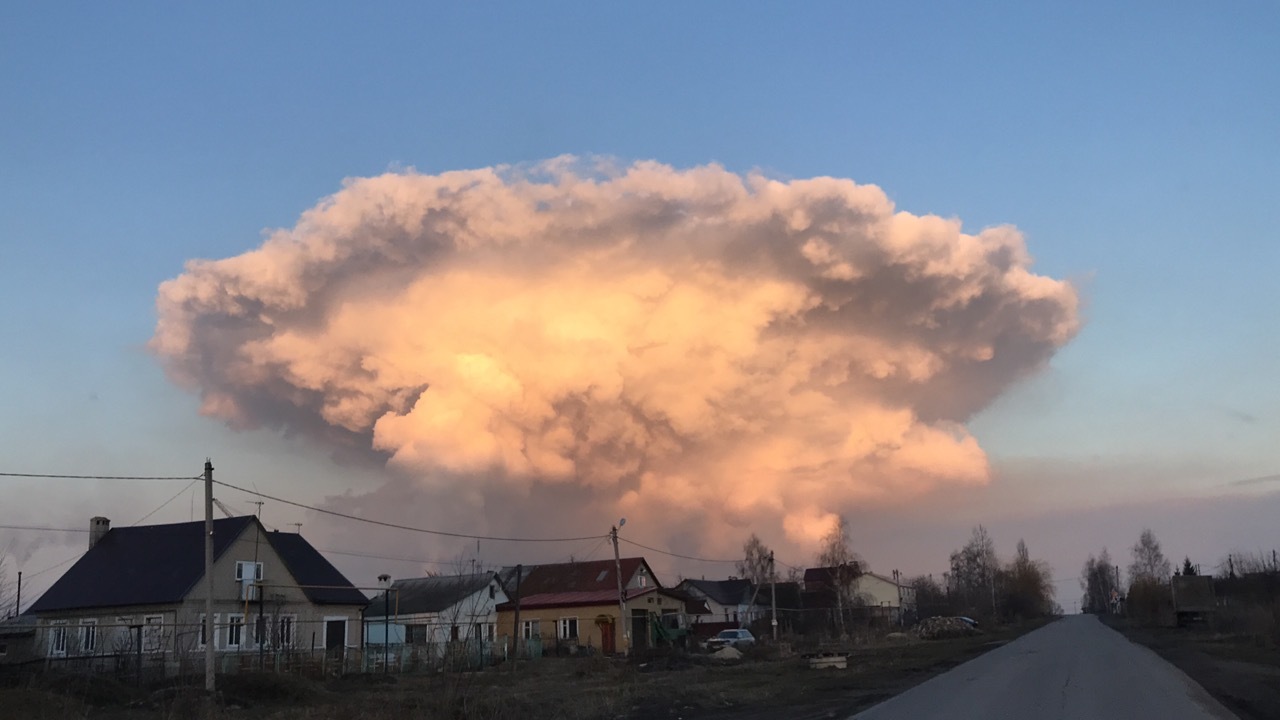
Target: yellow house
pixel 568 606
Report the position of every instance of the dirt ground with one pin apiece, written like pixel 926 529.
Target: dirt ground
pixel 666 686
pixel 1242 673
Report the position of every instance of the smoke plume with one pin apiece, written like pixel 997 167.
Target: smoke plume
pixel 693 345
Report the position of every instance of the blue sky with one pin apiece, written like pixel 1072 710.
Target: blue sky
pixel 1136 148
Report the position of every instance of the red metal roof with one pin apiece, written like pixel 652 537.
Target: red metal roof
pixel 573 599
pixel 595 575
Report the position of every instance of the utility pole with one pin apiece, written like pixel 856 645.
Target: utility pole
pixel 208 576
pixel 773 596
pixel 622 594
pixel 17 605
pixel 515 631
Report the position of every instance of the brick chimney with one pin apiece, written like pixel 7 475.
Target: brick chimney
pixel 98 527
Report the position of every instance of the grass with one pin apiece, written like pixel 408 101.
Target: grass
pixel 553 688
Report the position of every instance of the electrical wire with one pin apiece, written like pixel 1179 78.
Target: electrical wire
pixel 678 555
pixel 163 504
pixel 42 529
pixel 397 526
pixel 100 477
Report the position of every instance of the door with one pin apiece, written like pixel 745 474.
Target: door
pixel 335 636
pixel 608 637
pixel 639 629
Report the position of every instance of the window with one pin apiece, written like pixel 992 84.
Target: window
pixel 88 636
pixel 453 632
pixel 260 630
pixel 249 575
pixel 246 570
pixel 493 592
pixel 530 630
pixel 153 633
pixel 235 630
pixel 285 630
pixel 492 631
pixel 123 633
pixel 477 632
pixel 58 639
pixel 4 649
pixel 203 638
pixel 569 628
pixel 644 582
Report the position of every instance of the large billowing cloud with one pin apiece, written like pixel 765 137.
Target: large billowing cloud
pixel 691 344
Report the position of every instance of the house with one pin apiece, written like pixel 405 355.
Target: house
pixel 430 613
pixel 733 602
pixel 871 594
pixel 17 640
pixel 142 590
pixel 568 606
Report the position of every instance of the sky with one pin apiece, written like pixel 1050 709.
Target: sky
pixel 1133 149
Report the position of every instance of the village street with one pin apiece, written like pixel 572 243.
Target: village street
pixel 1072 669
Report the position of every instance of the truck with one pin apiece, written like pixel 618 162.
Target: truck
pixel 1193 598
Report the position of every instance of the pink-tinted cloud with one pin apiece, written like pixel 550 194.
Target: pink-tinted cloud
pixel 694 345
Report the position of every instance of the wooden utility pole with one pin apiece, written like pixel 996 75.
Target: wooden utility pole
pixel 208 576
pixel 515 631
pixel 773 596
pixel 622 595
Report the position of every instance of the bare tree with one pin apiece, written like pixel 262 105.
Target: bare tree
pixel 754 565
pixel 1026 587
pixel 973 573
pixel 842 565
pixel 7 591
pixel 1099 581
pixel 1149 563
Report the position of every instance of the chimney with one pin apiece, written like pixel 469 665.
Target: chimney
pixel 98 527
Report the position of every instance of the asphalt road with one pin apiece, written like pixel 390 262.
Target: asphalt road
pixel 1073 669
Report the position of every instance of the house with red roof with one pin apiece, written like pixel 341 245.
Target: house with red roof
pixel 566 607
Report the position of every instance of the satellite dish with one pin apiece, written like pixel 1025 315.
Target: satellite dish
pixel 622 522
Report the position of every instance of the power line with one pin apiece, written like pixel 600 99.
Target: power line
pixel 35 528
pixel 664 552
pixel 398 526
pixel 100 477
pixel 163 504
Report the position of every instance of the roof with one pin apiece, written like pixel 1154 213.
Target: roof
pixel 821 575
pixel 571 599
pixel 322 583
pixel 161 564
pixel 20 626
pixel 726 592
pixel 144 565
pixel 430 594
pixel 581 577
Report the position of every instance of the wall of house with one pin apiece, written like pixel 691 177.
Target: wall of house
pixel 881 592
pixel 438 627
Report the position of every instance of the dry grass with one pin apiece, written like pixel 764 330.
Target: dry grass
pixel 552 688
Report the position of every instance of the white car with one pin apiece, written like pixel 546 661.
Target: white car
pixel 740 639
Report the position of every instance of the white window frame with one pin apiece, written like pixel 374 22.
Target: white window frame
pixel 287 639
pixel 235 621
pixel 346 629
pixel 89 636
pixel 530 629
pixel 58 637
pixel 563 628
pixel 200 636
pixel 242 564
pixel 153 633
pixel 262 638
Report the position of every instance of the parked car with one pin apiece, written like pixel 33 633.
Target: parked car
pixel 740 639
